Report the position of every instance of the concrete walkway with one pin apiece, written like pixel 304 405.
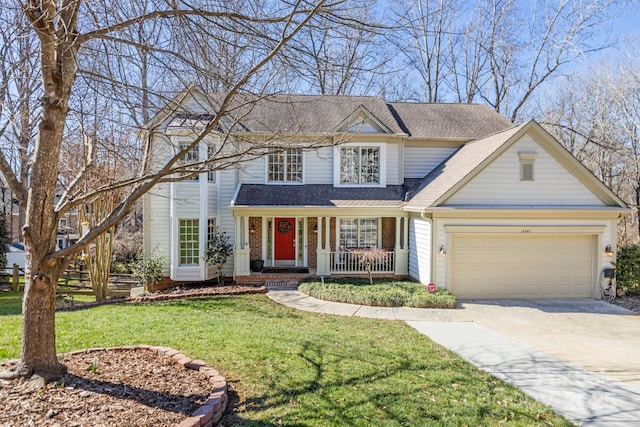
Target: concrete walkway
pixel 579 394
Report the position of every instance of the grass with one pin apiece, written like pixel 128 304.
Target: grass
pixel 305 369
pixel 383 293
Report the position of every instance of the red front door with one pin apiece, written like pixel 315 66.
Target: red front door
pixel 284 238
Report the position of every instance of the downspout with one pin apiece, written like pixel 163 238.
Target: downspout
pixel 431 245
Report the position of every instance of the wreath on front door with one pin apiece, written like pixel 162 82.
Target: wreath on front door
pixel 284 226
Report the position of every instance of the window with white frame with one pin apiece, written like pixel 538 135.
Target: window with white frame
pixel 285 166
pixel 211 229
pixel 191 156
pixel 211 151
pixel 358 232
pixel 359 165
pixel 526 166
pixel 188 234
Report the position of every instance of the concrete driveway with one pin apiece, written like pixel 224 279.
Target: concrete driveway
pixel 595 335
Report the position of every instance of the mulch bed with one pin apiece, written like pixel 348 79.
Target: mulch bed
pixel 629 302
pixel 108 388
pixel 115 388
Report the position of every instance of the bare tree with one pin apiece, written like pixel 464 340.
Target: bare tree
pixel 596 116
pixel 67 32
pixel 500 52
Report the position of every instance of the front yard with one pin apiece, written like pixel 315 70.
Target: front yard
pixel 293 368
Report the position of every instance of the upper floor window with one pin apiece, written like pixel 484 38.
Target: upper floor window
pixel 189 157
pixel 285 166
pixel 360 165
pixel 211 151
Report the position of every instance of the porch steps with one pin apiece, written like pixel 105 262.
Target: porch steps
pixel 280 284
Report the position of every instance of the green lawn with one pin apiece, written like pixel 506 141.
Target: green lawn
pixel 303 369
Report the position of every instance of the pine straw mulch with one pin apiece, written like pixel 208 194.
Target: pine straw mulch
pixel 115 388
pixel 630 302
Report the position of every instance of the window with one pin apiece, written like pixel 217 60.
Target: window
pixel 211 229
pixel 526 166
pixel 360 165
pixel 358 232
pixel 189 242
pixel 189 157
pixel 285 166
pixel 211 151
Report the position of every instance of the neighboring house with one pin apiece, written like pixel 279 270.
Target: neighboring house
pixel 454 193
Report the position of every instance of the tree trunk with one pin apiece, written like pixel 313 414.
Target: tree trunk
pixel 38 354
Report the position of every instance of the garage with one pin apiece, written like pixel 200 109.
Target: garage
pixel 522 266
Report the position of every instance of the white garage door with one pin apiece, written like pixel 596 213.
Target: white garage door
pixel 532 266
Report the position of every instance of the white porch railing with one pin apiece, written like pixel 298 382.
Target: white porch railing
pixel 349 262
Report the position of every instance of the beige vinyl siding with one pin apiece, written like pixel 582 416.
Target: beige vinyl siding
pixel 225 220
pixel 318 166
pixel 394 172
pixel 499 183
pixel 420 160
pixel 254 171
pixel 420 250
pixel 157 230
pixel 187 199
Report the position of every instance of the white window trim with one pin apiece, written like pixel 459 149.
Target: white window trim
pixel 176 141
pixel 527 158
pixel 179 257
pixel 266 171
pixel 379 231
pixel 383 164
pixel 204 154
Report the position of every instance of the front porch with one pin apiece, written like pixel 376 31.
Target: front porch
pixel 325 245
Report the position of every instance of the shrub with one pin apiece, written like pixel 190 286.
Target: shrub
pixel 385 293
pixel 149 270
pixel 628 269
pixel 218 251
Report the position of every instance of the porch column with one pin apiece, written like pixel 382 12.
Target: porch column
pixel 242 251
pixel 402 248
pixel 323 255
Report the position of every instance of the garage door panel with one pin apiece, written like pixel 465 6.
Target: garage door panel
pixel 533 266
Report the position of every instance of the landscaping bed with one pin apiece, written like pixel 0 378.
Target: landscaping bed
pixel 383 293
pixel 114 387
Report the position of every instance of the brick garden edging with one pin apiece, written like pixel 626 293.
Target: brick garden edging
pixel 207 414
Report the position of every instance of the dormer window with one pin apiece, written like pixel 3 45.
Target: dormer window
pixel 527 161
pixel 360 165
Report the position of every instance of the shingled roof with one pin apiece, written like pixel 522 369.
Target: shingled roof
pixel 323 113
pixel 454 169
pixel 319 195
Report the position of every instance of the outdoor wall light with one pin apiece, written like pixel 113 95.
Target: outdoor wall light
pixel 315 228
pixel 252 228
pixel 608 251
pixel 442 250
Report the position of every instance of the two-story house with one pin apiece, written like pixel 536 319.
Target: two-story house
pixel 453 193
